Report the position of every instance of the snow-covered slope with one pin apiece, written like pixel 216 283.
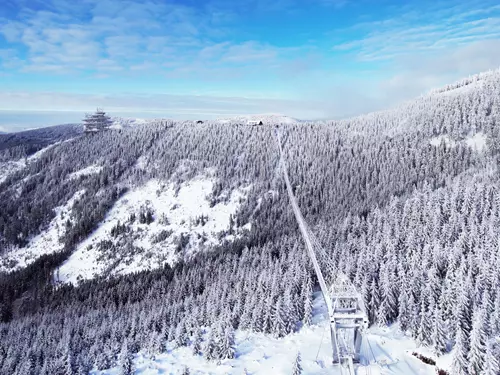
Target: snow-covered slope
pixel 45 243
pixel 385 351
pixel 12 166
pixel 266 118
pixel 155 224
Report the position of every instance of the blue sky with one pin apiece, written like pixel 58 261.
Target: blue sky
pixel 189 59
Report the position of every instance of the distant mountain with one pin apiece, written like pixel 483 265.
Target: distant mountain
pixel 35 139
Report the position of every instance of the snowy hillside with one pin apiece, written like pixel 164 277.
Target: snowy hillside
pixel 11 166
pixel 194 223
pixel 46 242
pixel 153 225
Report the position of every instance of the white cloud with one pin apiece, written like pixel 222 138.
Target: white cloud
pixel 413 31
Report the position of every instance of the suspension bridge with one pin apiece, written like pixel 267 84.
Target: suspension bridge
pixel 347 316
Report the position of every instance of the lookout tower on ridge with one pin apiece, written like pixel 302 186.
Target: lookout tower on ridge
pixel 97 121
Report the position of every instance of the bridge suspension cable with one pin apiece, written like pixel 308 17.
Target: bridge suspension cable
pixel 344 304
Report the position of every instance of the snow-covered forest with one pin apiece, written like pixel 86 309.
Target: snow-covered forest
pixel 404 201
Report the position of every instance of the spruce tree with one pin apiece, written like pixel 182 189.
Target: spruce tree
pixel 227 349
pixel 125 360
pixel 460 362
pixel 198 338
pixel 492 361
pixel 308 308
pixel 210 349
pixel 181 337
pixel 477 352
pixel 438 337
pixel 279 324
pixel 297 366
pixel 404 311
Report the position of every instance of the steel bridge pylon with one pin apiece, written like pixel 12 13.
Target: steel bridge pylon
pixel 348 321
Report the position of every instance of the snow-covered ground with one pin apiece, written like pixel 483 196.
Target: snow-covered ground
pixel 477 141
pixel 46 242
pixel 436 141
pixel 91 169
pixel 386 351
pixel 184 223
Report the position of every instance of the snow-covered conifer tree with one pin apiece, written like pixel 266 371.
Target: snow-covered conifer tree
pixel 198 338
pixel 492 360
pixel 181 337
pixel 438 337
pixel 460 362
pixel 297 366
pixel 477 351
pixel 227 348
pixel 125 360
pixel 210 349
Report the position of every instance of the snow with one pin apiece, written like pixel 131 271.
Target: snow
pixel 477 141
pixel 262 354
pixel 45 243
pixel 181 204
pixel 436 141
pixel 91 169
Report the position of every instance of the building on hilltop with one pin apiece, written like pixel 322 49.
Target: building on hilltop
pixel 97 121
pixel 255 122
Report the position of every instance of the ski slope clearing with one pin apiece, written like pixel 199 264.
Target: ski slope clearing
pixel 158 223
pixel 47 242
pixel 387 352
